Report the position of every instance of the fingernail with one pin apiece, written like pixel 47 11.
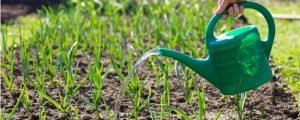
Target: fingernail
pixel 242 9
pixel 235 5
pixel 217 11
pixel 230 11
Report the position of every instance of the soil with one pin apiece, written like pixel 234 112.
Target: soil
pixel 12 9
pixel 274 100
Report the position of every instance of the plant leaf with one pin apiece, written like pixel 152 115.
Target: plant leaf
pixel 217 116
pixel 17 104
pixel 80 84
pixel 146 101
pixel 7 81
pixel 181 113
pixel 117 69
pixel 88 102
pixel 51 101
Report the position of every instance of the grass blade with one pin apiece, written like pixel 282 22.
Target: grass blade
pixel 181 113
pixel 88 102
pixel 80 84
pixel 146 101
pixel 17 104
pixel 217 115
pixel 118 70
pixel 58 106
pixel 9 83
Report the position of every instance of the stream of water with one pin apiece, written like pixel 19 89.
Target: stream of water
pixel 124 85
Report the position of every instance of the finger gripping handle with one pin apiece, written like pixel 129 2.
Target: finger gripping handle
pixel 209 36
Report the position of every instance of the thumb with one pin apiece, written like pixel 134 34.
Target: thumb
pixel 222 6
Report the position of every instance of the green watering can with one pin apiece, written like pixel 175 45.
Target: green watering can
pixel 238 60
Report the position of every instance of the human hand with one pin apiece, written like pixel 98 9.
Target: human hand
pixel 234 9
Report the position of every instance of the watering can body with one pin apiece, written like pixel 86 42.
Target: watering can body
pixel 238 60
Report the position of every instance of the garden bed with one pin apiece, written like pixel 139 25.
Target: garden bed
pixel 273 100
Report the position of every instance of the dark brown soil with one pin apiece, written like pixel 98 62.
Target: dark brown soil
pixel 272 101
pixel 12 9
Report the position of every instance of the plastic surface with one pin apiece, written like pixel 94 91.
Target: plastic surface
pixel 237 60
pixel 268 16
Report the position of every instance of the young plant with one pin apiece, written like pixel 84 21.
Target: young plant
pixel 17 104
pixel 4 44
pixel 75 112
pixel 164 112
pixel 8 81
pixel 39 70
pixel 25 62
pixel 26 100
pixel 181 113
pixel 43 113
pixel 9 55
pixel 70 87
pixel 135 88
pixel 48 63
pixel 96 79
pixel 60 106
pixel 69 76
pixel 217 116
pixel 165 95
pixel 240 100
pixel 188 84
pixel 201 104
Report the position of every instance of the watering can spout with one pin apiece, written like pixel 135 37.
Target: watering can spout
pixel 203 67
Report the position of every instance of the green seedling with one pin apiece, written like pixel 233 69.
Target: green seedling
pixel 26 99
pixel 2 114
pixel 25 59
pixel 217 115
pixel 10 116
pixel 165 95
pixel 61 107
pixel 135 89
pixel 181 113
pixel 201 108
pixel 71 73
pixel 75 113
pixel 39 71
pixel 70 89
pixel 5 46
pixel 240 100
pixel 97 79
pixel 188 84
pixel 43 114
pixel 201 104
pixel 8 81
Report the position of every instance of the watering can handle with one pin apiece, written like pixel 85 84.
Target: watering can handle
pixel 268 16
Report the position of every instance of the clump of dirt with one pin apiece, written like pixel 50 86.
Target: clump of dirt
pixel 273 100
